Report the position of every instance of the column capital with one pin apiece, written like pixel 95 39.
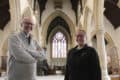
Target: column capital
pixel 100 31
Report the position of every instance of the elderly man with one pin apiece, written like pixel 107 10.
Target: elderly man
pixel 82 61
pixel 23 53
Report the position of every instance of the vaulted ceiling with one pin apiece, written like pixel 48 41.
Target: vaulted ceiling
pixel 58 21
pixel 42 4
pixel 74 3
pixel 112 12
pixel 75 7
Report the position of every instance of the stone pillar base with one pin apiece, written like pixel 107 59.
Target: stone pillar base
pixel 105 76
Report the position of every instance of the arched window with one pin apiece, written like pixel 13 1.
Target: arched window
pixel 59 46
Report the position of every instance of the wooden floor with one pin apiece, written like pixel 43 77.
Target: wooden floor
pixel 115 77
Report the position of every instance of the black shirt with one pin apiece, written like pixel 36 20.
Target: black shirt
pixel 83 64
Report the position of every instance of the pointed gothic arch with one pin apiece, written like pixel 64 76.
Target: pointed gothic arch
pixel 52 16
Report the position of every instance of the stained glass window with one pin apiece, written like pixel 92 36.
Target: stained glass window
pixel 59 45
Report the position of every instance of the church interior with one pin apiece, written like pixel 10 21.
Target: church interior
pixel 56 24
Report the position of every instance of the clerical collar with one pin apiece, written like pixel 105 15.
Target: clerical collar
pixel 80 47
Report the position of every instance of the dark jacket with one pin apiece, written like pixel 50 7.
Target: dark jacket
pixel 82 64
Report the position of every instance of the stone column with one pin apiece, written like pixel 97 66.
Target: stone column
pixel 78 14
pixel 102 53
pixel 15 14
pixel 99 8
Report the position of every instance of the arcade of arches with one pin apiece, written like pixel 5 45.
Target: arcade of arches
pixel 56 23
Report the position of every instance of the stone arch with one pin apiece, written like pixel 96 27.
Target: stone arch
pixel 46 23
pixel 67 35
pixel 107 37
pixel 112 53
